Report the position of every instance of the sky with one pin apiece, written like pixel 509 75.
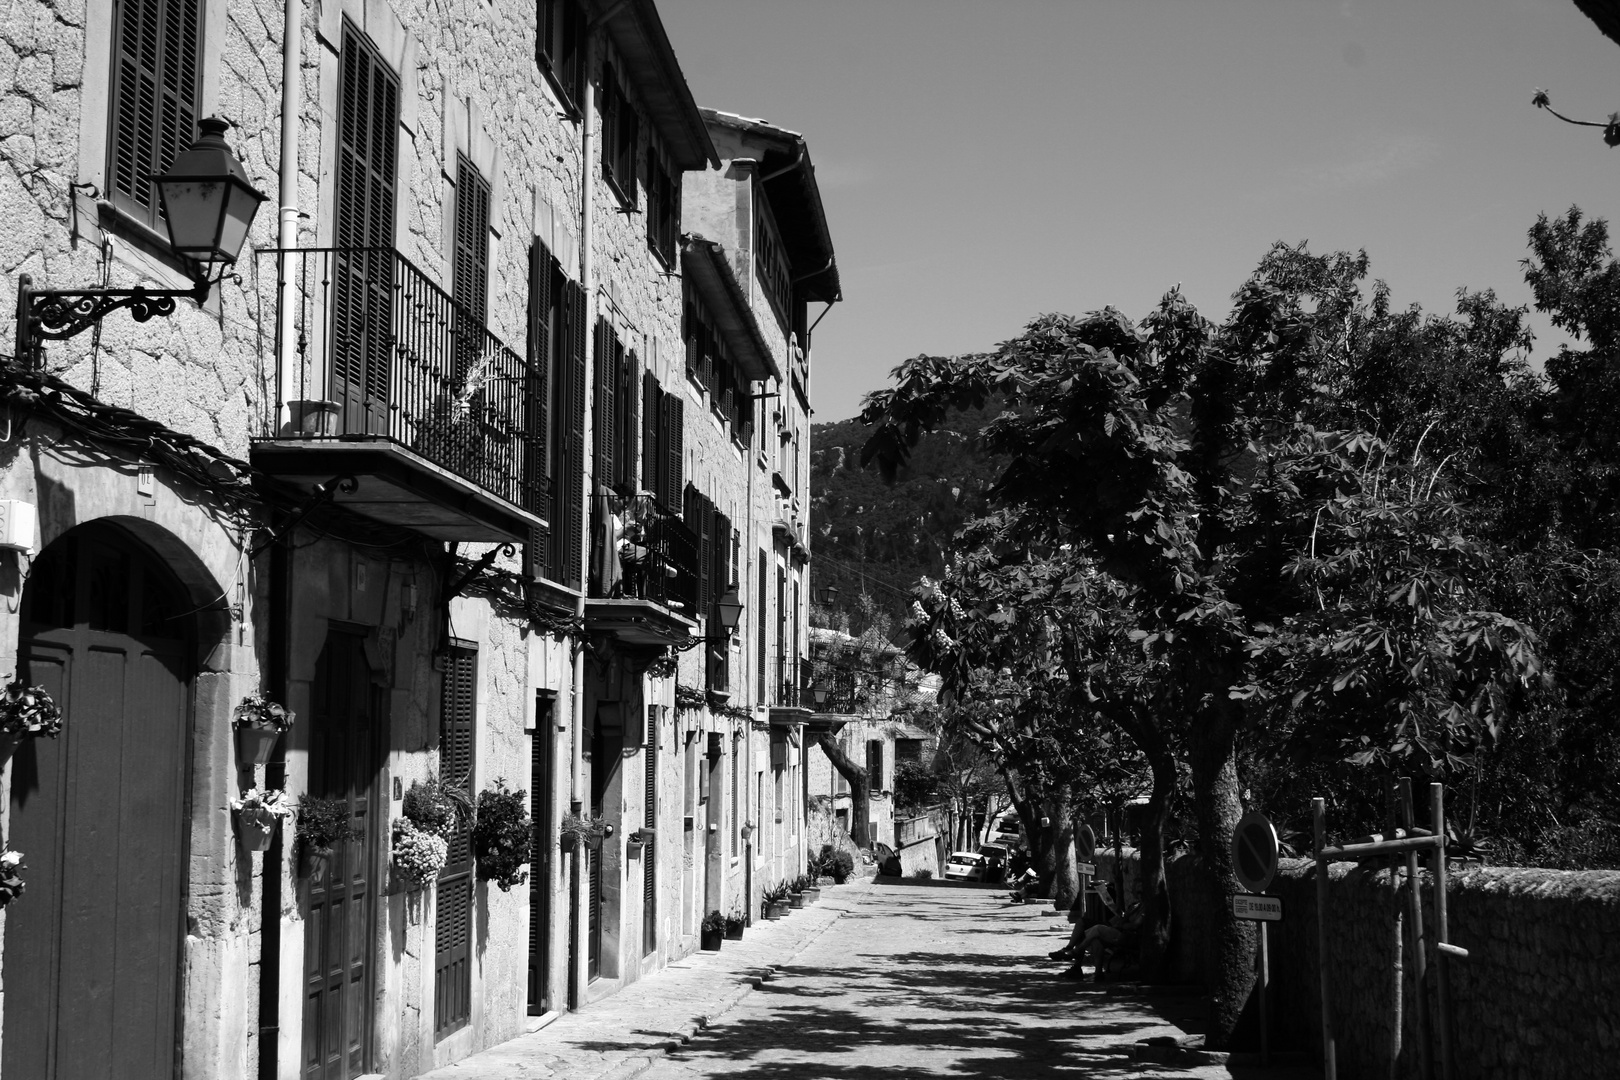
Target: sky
pixel 984 162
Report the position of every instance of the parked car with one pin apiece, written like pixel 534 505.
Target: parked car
pixel 966 866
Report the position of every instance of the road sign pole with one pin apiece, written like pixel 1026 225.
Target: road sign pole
pixel 1330 1068
pixel 1265 980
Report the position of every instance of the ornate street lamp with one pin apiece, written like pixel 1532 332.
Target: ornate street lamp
pixel 208 206
pixel 730 610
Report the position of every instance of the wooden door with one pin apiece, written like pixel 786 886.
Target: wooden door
pixel 99 813
pixel 339 919
pixel 541 844
pixel 453 901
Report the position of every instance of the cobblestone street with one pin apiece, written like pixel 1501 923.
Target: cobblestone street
pixel 923 981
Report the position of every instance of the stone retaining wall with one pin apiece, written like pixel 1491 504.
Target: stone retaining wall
pixel 1538 995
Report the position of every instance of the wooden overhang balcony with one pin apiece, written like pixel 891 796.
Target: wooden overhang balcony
pixel 396 385
pixel 643 587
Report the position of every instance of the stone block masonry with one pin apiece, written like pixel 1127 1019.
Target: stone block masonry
pixel 1538 995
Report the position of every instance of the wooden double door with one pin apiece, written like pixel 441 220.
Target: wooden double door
pixel 340 907
pixel 92 947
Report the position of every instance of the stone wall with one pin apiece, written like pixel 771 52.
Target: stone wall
pixel 1538 995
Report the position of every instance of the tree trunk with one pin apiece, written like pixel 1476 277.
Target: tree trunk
pixel 1156 913
pixel 860 797
pixel 1054 850
pixel 1229 955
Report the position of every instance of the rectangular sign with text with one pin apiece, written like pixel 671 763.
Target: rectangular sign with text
pixel 1258 908
pixel 1086 869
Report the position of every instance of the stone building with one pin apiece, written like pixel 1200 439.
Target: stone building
pixel 452 468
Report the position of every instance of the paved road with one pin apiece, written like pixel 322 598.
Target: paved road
pixel 923 981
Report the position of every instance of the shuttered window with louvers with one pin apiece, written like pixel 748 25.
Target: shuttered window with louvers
pixel 674 444
pixel 363 232
pixel 540 849
pixel 453 909
pixel 629 420
pixel 472 240
pixel 155 86
pixel 758 622
pixel 542 307
pixel 652 466
pixel 649 861
pixel 736 808
pixel 571 545
pixel 606 442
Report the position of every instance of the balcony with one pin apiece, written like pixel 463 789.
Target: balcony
pixel 644 572
pixel 792 700
pixel 400 387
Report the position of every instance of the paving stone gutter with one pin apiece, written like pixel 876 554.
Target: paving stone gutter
pixel 621 1036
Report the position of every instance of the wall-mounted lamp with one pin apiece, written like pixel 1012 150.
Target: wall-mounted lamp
pixel 829 595
pixel 730 609
pixel 208 206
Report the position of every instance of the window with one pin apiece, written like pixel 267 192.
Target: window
pixel 156 84
pixel 874 764
pixel 470 271
pixel 558 48
pixel 710 365
pixel 908 750
pixel 617 415
pixel 771 263
pixel 565 558
pixel 663 420
pixel 619 137
pixel 663 207
pixel 544 341
pixel 736 807
pixel 452 928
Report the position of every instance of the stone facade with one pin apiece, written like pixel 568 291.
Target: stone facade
pixel 280 588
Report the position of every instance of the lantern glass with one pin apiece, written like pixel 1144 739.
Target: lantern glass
pixel 208 203
pixel 730 609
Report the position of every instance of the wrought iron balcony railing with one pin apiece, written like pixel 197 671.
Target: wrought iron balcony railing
pixel 640 551
pixel 385 354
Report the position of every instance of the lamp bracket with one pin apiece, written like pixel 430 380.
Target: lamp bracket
pixel 58 314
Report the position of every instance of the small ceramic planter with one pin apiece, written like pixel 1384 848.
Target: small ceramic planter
pixel 254 742
pixel 782 908
pixel 812 894
pixel 254 833
pixel 771 913
pixel 795 900
pixel 711 939
pixel 734 932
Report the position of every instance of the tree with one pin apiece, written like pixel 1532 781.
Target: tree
pixel 1177 455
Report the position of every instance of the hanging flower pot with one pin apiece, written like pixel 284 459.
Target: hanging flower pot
pixel 259 722
pixel 258 814
pixel 26 712
pixel 11 880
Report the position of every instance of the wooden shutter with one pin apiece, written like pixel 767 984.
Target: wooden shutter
pixel 537 404
pixel 452 930
pixel 652 469
pixel 705 531
pixel 630 396
pixel 574 541
pixel 674 443
pixel 363 272
pixel 602 464
pixel 610 125
pixel 471 271
pixel 736 808
pixel 157 69
pixel 649 869
pixel 758 622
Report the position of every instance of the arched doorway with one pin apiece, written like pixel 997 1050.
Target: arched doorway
pixel 92 949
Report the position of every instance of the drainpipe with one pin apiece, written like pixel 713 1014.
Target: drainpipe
pixel 279 623
pixel 587 217
pixel 292 56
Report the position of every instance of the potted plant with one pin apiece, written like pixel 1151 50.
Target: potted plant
pixel 577 827
pixel 259 722
pixel 734 923
pixel 322 824
pixel 26 712
pixel 778 896
pixel 841 867
pixel 11 882
pixel 257 815
pixel 437 807
pixel 418 854
pixel 795 892
pixel 812 891
pixel 501 835
pixel 767 906
pixel 713 931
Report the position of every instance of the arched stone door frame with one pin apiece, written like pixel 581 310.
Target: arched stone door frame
pixel 204 769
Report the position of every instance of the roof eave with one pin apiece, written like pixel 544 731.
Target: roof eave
pixel 638 34
pixel 704 263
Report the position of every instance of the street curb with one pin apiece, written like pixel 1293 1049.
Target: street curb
pixel 633 1067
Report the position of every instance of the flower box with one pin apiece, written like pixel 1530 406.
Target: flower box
pixel 255 742
pixel 258 815
pixel 255 833
pixel 710 940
